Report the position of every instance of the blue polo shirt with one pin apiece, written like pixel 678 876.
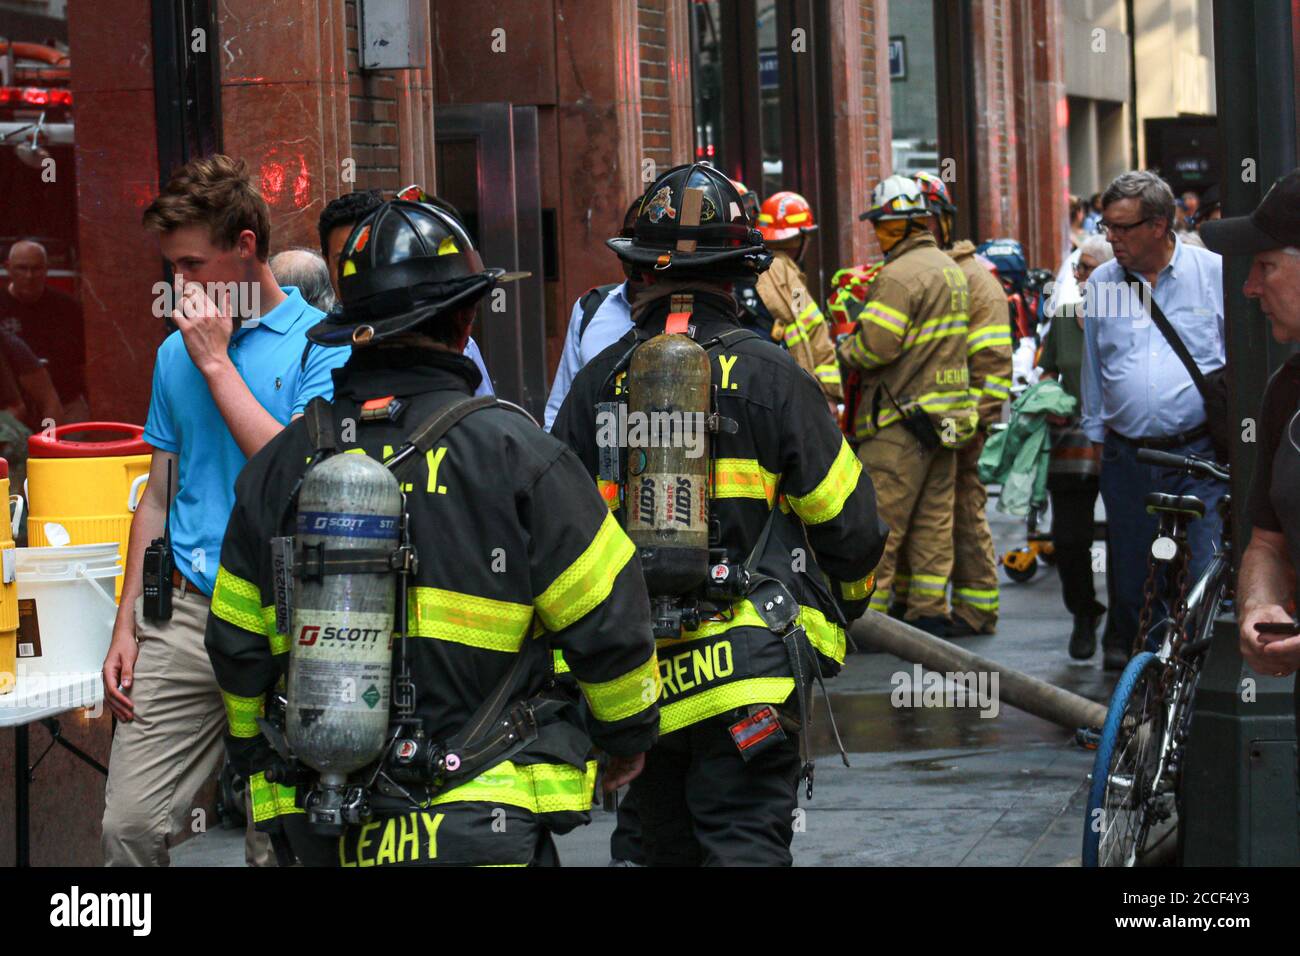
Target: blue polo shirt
pixel 184 420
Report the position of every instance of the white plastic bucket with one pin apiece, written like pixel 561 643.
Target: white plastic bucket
pixel 72 588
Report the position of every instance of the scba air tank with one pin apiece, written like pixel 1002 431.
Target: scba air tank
pixel 340 657
pixel 668 462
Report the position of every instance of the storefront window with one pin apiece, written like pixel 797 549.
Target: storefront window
pixel 40 276
pixel 707 70
pixel 913 86
pixel 769 91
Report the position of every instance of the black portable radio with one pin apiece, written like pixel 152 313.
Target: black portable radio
pixel 158 566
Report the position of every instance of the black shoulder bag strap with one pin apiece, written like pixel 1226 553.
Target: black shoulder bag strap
pixel 1213 394
pixel 1172 337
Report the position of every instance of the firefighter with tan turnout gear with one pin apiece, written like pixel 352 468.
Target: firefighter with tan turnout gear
pixel 785 221
pixel 398 571
pixel 988 357
pixel 915 407
pixel 754 522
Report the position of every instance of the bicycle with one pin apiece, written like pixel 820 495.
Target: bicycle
pixel 1136 774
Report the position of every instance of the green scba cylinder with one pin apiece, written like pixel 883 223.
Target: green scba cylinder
pixel 668 462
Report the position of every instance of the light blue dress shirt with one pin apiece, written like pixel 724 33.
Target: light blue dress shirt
pixel 607 326
pixel 474 355
pixel 1133 381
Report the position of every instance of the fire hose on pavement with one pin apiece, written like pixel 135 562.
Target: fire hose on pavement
pixel 883 633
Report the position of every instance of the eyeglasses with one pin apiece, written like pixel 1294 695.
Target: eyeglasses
pixel 1082 270
pixel 1121 228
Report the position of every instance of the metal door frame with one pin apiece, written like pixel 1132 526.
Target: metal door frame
pixel 510 237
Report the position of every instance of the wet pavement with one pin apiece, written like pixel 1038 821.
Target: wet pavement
pixel 927 786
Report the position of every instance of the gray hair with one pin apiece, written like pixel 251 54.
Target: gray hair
pixel 1097 247
pixel 306 269
pixel 1153 194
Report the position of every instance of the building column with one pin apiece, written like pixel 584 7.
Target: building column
pixel 283 93
pixel 995 118
pixel 117 177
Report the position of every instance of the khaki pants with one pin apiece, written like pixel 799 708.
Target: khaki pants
pixel 172 748
pixel 914 496
pixel 974 564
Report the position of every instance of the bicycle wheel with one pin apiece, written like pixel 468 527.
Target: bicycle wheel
pixel 1118 819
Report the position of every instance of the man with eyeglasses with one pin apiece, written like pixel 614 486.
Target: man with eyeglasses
pixel 1138 393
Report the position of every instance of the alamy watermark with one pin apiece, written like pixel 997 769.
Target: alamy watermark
pixel 931 689
pixel 637 429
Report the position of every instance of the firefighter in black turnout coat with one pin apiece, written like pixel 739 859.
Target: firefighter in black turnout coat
pixel 793 532
pixel 518 557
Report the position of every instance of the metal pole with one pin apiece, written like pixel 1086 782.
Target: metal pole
pixel 1239 776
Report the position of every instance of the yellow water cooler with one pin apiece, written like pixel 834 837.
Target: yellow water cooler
pixel 8 586
pixel 85 492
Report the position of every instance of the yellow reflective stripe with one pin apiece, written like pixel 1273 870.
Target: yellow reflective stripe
pixel 998 380
pixel 765 219
pixel 811 310
pixel 937 328
pixel 586 583
pixel 879 602
pixel 891 320
pixel 237 601
pixel 825 636
pixel 827 500
pixel 794 335
pixel 859 354
pixel 242 714
pixel 561 665
pixel 826 371
pixel 710 703
pixel 930 583
pixel 987 338
pixel 624 696
pixel 976 597
pixel 743 478
pixel 796 217
pixel 858 590
pixel 279 642
pixel 995 390
pixel 538 787
pixel 469 619
pixel 270 800
pixel 742 615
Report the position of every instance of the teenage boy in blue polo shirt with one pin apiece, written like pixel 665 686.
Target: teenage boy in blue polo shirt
pixel 232 376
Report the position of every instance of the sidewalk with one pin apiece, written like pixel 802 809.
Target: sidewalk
pixel 927 786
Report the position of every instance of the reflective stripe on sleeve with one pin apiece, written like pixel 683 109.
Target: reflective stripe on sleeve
pixel 242 714
pixel 237 601
pixel 586 583
pixel 826 500
pixel 743 478
pixel 624 696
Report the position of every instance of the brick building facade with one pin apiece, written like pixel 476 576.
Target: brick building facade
pixel 612 88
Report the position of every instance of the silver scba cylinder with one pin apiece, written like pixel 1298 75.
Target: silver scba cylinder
pixel 340 657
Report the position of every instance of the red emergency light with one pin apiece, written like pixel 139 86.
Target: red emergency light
pixel 34 96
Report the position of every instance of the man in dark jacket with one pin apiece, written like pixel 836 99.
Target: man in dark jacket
pixel 721 786
pixel 517 555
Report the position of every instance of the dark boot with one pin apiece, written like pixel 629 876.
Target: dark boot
pixel 938 626
pixel 1083 639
